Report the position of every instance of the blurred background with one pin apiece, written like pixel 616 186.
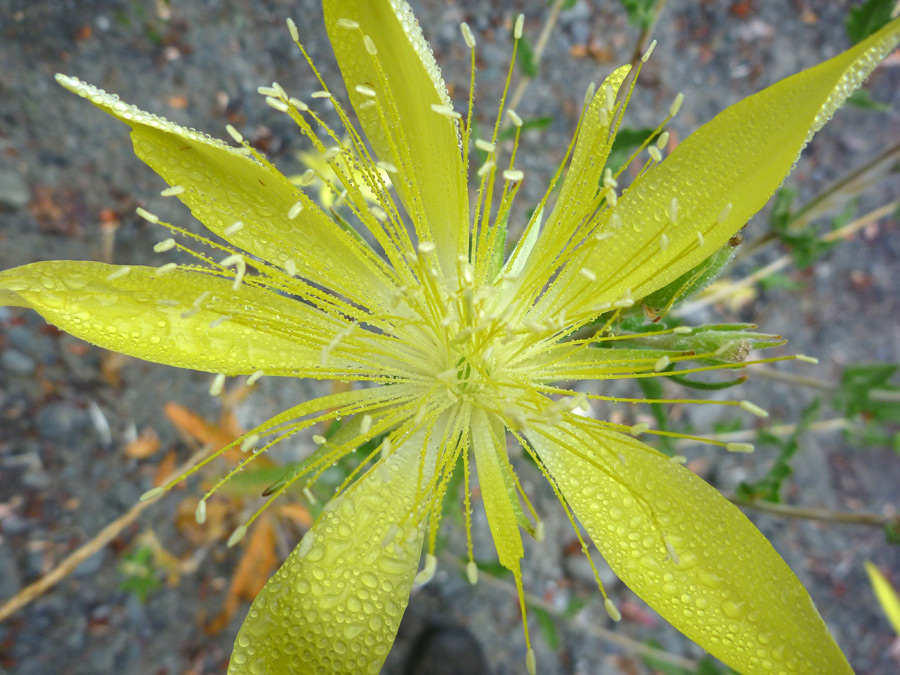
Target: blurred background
pixel 83 433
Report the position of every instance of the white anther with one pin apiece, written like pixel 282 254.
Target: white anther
pixel 610 97
pixel 751 407
pixel 701 240
pixel 306 178
pixel 200 512
pixel 806 359
pixel 624 303
pixel 682 330
pixel 484 169
pixel 295 210
pixel 164 245
pixel 321 93
pixel 146 215
pixel 370 45
pixel 638 429
pixel 654 153
pixel 663 242
pixel 292 29
pixel 271 92
pixel 723 215
pixel 608 180
pixel 485 146
pixel 236 536
pixel 472 572
pixel 165 269
pixel 277 104
pixel 530 662
pixel 318 439
pixel 662 141
pixel 539 529
pixel 610 606
pixel 676 105
pixel 514 117
pixel 235 134
pixel 445 110
pixel 172 191
pixel 298 104
pixel 349 24
pixel 218 321
pixel 254 377
pixel 661 363
pixel 152 493
pixel 589 93
pixel 365 91
pixel 519 27
pixel 249 442
pixel 201 298
pixel 366 424
pixel 739 447
pixel 672 211
pixel 467 35
pixel 612 198
pixel 646 54
pixel 587 274
pixel 615 221
pixel 426 574
pixel 513 175
pixel 234 228
pixel 218 384
pixel 119 272
pixel 290 267
pixel 426 247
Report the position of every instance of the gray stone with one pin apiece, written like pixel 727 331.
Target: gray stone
pixel 16 362
pixel 14 190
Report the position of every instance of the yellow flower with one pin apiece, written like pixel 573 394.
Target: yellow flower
pixel 462 348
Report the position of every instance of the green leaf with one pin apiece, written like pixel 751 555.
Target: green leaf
pixel 779 280
pixel 706 386
pixel 640 12
pixel 862 98
pixel 864 20
pixel 768 488
pixel 547 625
pixel 688 284
pixel 626 141
pixel 653 388
pixel 806 245
pixel 854 393
pixel 525 57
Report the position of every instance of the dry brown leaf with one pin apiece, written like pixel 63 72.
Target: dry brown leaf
pixel 258 561
pixel 195 426
pixel 144 445
pixel 165 469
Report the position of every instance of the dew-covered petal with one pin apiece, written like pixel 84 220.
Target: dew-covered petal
pixel 688 552
pixel 489 445
pixel 222 187
pixel 718 178
pixel 335 604
pixel 180 317
pixel 399 120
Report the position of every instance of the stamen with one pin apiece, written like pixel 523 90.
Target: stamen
pixel 654 153
pixel 739 447
pixel 218 384
pixel 519 28
pixel 365 91
pixel 172 191
pixel 700 238
pixel 152 493
pixel 472 572
pixel 513 175
pixel 271 92
pixel 292 29
pixel 724 213
pixel 676 104
pixel 234 228
pixel 235 134
pixel 663 242
pixel 638 429
pixel 295 210
pixel 236 536
pixel 445 110
pixel 485 146
pixel 120 272
pixel 164 245
pixel 514 117
pixel 806 359
pixel 682 330
pixel 484 169
pixel 751 407
pixel 277 104
pixel 366 424
pixel 531 662
pixel 215 323
pixel 165 269
pixel 318 439
pixel 370 45
pixel 200 512
pixel 349 24
pixel 649 51
pixel 146 215
pixel 662 141
pixel 306 178
pixel 249 442
pixel 467 35
pixel 587 274
pixel 610 606
pixel 290 267
pixel 254 377
pixel 298 104
pixel 661 363
pixel 426 574
pixel 321 94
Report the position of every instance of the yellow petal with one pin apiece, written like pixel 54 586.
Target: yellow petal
pixel 335 604
pixel 886 595
pixel 688 552
pixel 157 317
pixel 402 127
pixel 223 186
pixel 489 445
pixel 719 176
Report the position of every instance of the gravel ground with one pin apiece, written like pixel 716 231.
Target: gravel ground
pixel 67 172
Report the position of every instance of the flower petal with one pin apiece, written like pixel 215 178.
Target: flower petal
pixel 719 176
pixel 491 462
pixel 223 186
pixel 401 125
pixel 728 590
pixel 335 604
pixel 157 317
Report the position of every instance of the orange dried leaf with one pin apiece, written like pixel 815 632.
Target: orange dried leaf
pixel 197 427
pixel 297 513
pixel 165 469
pixel 144 445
